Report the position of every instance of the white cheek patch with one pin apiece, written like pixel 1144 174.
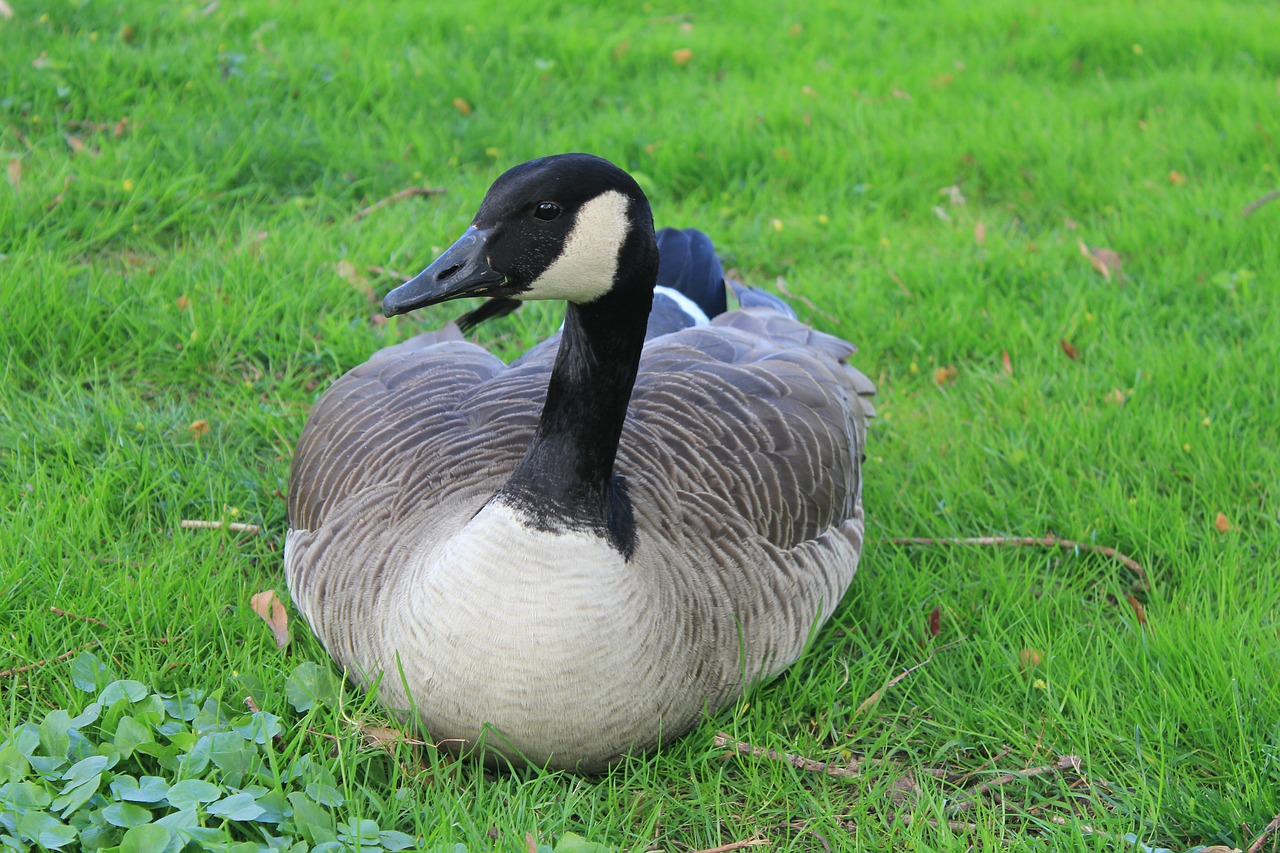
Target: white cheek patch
pixel 587 264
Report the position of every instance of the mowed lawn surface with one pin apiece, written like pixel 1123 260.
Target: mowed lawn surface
pixel 182 272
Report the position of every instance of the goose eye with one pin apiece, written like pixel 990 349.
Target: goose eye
pixel 547 211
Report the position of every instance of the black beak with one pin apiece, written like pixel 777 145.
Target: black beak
pixel 461 271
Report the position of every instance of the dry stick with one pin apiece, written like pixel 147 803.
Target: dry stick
pixel 783 289
pixel 410 192
pixel 69 615
pixel 234 526
pixel 1045 541
pixel 955 825
pixel 1266 199
pixel 1275 821
pixel 1064 762
pixel 744 748
pixel 387 273
pixel 875 697
pixel 17 670
pixel 736 845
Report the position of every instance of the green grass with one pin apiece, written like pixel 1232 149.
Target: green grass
pixel 184 270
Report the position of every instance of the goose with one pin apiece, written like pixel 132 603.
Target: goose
pixel 580 555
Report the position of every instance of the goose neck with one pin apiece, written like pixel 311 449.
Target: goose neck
pixel 565 480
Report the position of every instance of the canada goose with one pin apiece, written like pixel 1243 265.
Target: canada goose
pixel 543 560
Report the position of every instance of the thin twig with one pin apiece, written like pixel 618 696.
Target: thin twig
pixel 1064 763
pixel 963 778
pixel 17 670
pixel 233 526
pixel 1043 541
pixel 781 284
pixel 737 845
pixel 955 825
pixel 848 772
pixel 387 273
pixel 408 192
pixel 69 615
pixel 1275 821
pixel 1266 199
pixel 875 697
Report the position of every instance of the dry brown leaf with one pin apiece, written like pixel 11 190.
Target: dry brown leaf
pixel 199 429
pixel 945 375
pixel 1221 523
pixel 1069 349
pixel 1105 261
pixel 1006 364
pixel 1028 658
pixel 1138 610
pixel 1116 398
pixel 385 737
pixel 979 233
pixel 682 55
pixel 901 95
pixel 269 606
pixel 621 50
pixel 943 80
pixel 183 303
pixel 77 145
pixel 935 621
pixel 1177 178
pixel 461 105
pixel 6 11
pixel 347 272
pixel 15 171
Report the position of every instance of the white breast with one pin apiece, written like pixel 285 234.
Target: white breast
pixel 569 619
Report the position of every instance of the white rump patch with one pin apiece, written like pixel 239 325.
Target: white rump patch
pixel 587 264
pixel 686 304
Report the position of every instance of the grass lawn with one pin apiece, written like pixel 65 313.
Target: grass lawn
pixel 182 272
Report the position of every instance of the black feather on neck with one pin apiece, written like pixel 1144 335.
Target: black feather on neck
pixel 566 479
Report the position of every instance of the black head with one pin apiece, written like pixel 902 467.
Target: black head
pixel 559 227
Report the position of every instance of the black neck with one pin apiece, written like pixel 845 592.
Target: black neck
pixel 565 480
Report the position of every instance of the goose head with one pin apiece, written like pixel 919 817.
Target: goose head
pixel 570 227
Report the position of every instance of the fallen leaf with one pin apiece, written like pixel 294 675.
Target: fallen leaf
pixel 199 429
pixel 386 738
pixel 1028 658
pixel 1138 610
pixel 901 95
pixel 461 105
pixel 77 145
pixel 1177 178
pixel 941 80
pixel 6 11
pixel 269 606
pixel 1221 523
pixel 797 30
pixel 1069 349
pixel 682 55
pixel 979 233
pixel 15 171
pixel 621 50
pixel 42 61
pixel 184 302
pixel 1006 364
pixel 945 375
pixel 1116 398
pixel 935 621
pixel 1105 261
pixel 347 272
pixel 954 195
